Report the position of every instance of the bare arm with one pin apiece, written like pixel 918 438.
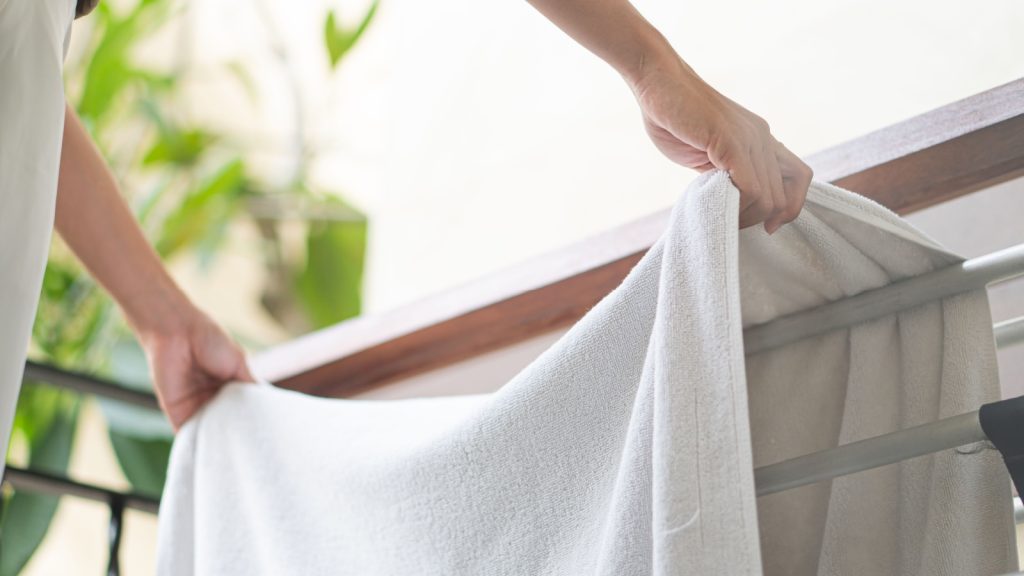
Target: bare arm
pixel 611 29
pixel 190 356
pixel 688 120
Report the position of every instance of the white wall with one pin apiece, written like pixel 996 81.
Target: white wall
pixel 475 134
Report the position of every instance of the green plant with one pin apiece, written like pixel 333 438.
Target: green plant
pixel 196 184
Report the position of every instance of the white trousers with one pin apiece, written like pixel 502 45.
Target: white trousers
pixel 33 38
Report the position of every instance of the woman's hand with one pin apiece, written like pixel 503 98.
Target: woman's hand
pixel 190 363
pixel 688 120
pixel 694 125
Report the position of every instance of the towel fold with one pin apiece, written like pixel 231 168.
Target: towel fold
pixel 628 447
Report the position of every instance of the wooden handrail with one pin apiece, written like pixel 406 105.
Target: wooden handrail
pixel 948 152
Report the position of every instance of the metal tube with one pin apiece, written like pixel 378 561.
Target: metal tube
pixel 114 532
pixel 969 275
pixel 88 385
pixel 869 453
pixel 1009 332
pixel 44 483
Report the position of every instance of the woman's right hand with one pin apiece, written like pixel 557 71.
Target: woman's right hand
pixel 694 125
pixel 688 120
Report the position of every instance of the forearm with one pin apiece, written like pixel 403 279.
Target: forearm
pixel 688 120
pixel 615 32
pixel 98 226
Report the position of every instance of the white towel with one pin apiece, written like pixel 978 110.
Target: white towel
pixel 628 447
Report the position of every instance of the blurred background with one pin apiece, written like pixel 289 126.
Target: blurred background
pixel 299 163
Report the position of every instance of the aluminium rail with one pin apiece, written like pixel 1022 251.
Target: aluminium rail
pixel 869 305
pixel 944 434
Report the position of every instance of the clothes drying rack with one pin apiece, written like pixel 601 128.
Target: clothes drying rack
pixel 951 151
pixel 1001 422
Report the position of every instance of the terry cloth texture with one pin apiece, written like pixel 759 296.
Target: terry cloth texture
pixel 628 447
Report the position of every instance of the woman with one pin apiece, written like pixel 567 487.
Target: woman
pixel 48 164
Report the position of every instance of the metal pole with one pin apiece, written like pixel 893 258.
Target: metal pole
pixel 969 275
pixel 870 453
pixel 1009 332
pixel 88 385
pixel 114 535
pixel 43 483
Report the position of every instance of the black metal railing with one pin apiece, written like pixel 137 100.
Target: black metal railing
pixel 52 484
pixel 87 384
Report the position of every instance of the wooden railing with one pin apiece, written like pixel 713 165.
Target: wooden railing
pixel 948 152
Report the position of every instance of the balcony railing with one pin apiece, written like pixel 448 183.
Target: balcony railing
pixel 45 483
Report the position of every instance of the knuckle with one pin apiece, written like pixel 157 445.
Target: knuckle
pixel 806 172
pixel 722 154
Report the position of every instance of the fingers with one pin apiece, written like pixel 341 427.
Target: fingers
pixel 772 181
pixel 185 408
pixel 244 373
pixel 752 206
pixel 780 202
pixel 751 177
pixel 762 203
pixel 796 178
pixel 696 126
pixel 189 368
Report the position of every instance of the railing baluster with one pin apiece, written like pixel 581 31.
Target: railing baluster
pixel 114 535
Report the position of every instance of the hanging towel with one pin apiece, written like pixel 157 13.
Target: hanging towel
pixel 628 447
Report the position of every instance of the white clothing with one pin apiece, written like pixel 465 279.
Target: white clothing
pixel 33 38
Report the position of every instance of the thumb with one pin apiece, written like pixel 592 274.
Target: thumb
pixel 244 374
pixel 219 356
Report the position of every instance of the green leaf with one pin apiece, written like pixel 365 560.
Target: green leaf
pixel 27 516
pixel 145 203
pixel 129 367
pixel 201 217
pixel 72 314
pixel 176 145
pixel 179 147
pixel 110 69
pixel 329 287
pixel 143 461
pixel 240 73
pixel 340 39
pixel 141 438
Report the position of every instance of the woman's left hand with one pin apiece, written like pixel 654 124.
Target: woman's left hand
pixel 190 363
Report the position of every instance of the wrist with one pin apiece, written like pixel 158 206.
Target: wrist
pixel 651 55
pixel 160 313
